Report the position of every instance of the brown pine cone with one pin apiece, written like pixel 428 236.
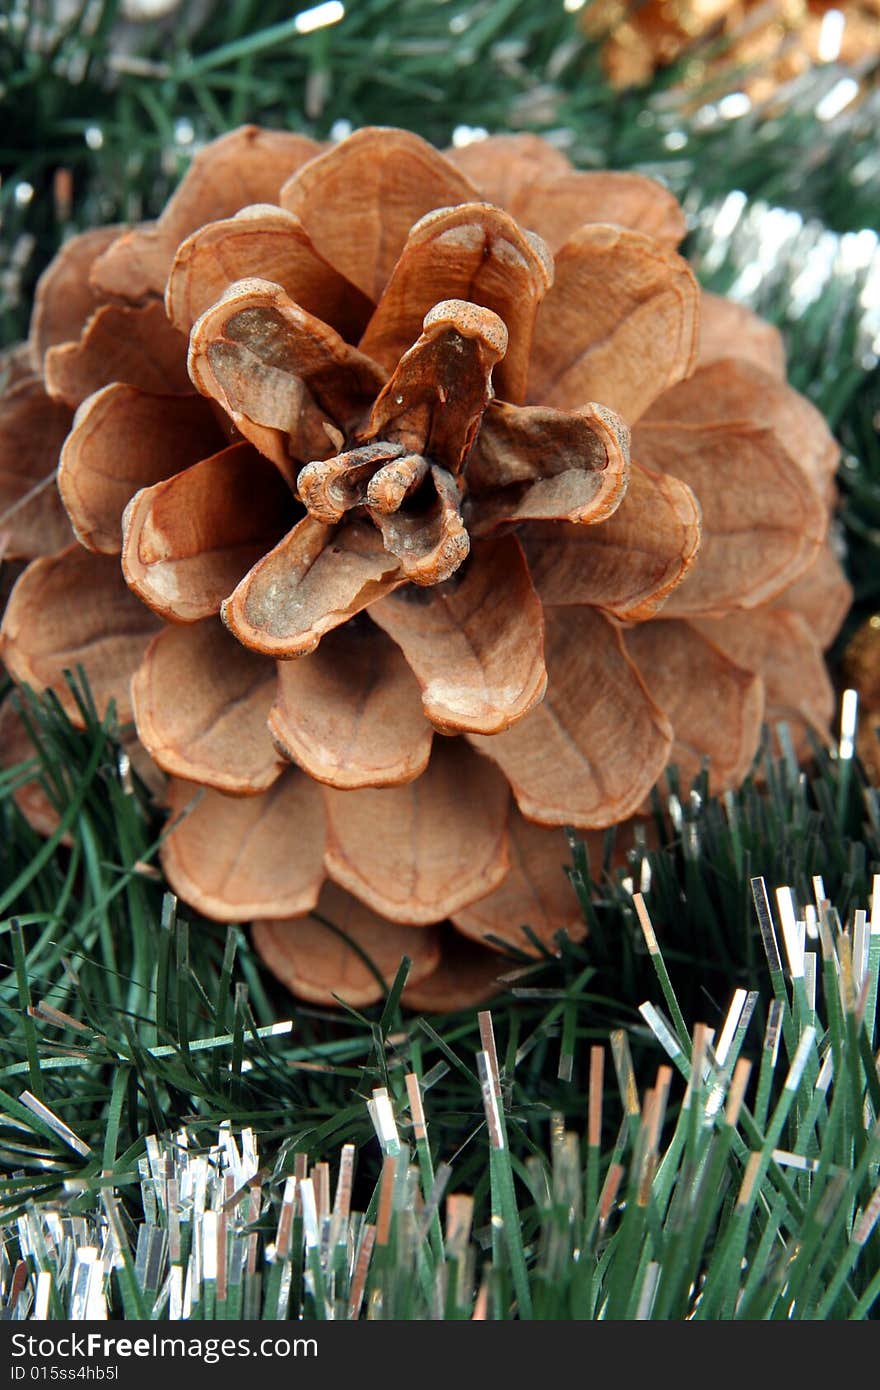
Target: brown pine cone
pixel 433 508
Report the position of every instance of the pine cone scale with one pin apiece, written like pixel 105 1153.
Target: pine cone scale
pixel 564 760
pixel 214 729
pixel 487 629
pixel 316 578
pixel 135 345
pixel 359 201
pixel 32 430
pixel 762 524
pixel 633 562
pixel 350 713
pixel 266 243
pixel 288 381
pixel 190 539
pixel 454 816
pixel 618 326
pixel 123 439
pixel 247 166
pixel 224 854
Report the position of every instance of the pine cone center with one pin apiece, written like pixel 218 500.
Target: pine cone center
pixel 405 467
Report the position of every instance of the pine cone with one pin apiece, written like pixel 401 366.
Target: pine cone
pixel 494 533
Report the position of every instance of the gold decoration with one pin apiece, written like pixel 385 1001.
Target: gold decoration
pixel 773 41
pixel 861 667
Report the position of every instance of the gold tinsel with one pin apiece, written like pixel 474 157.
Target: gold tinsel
pixel 773 40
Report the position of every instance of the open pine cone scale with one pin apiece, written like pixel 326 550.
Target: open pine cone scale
pixel 432 508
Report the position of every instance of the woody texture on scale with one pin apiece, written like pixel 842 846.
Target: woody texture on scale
pixel 412 505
